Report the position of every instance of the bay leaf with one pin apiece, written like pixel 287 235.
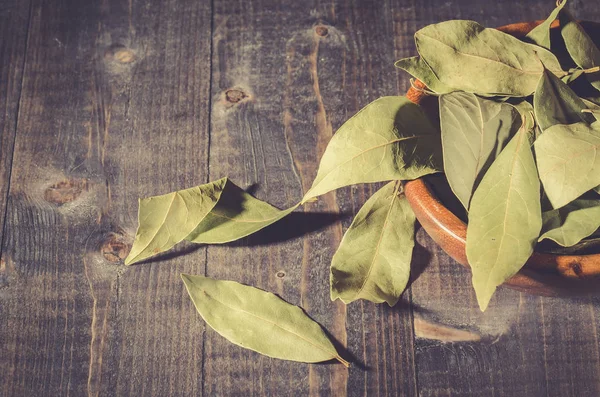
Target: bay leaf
pixel 417 68
pixel 259 321
pixel 474 132
pixel 373 259
pixel 505 218
pixel 555 102
pixel 167 219
pixel 572 223
pixel 469 57
pixel 568 161
pixel 237 214
pixel 580 46
pixel 389 139
pixel 540 35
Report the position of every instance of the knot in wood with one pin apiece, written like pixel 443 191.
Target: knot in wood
pixel 321 30
pixel 115 249
pixel 124 55
pixel 235 95
pixel 65 191
pixel 280 274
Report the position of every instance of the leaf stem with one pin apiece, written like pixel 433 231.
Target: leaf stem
pixel 344 362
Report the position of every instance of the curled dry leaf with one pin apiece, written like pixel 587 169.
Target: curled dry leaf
pixel 555 102
pixel 572 223
pixel 214 213
pixel 373 260
pixel 168 219
pixel 236 215
pixel 474 132
pixel 581 47
pixel 540 35
pixel 259 321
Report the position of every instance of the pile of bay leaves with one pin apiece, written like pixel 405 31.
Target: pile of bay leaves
pixel 518 140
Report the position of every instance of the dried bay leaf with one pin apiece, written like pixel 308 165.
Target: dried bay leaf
pixel 580 46
pixel 373 259
pixel 555 102
pixel 389 139
pixel 236 215
pixel 166 220
pixel 469 57
pixel 417 68
pixel 259 321
pixel 540 35
pixel 568 161
pixel 474 132
pixel 505 218
pixel 214 213
pixel 572 223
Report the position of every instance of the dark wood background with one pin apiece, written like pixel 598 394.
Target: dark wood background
pixel 102 102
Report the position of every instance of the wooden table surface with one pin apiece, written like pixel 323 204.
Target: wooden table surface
pixel 103 102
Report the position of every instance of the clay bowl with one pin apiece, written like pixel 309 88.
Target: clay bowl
pixel 543 274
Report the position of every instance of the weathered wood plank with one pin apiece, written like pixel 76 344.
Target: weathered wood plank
pixel 114 107
pixel 305 68
pixel 14 19
pixel 523 345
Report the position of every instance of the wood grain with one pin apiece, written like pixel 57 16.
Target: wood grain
pixel 114 107
pixel 14 19
pixel 122 100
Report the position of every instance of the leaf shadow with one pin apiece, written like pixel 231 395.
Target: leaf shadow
pixel 295 225
pixel 183 248
pixel 420 259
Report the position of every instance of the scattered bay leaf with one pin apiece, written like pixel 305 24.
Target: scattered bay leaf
pixel 237 214
pixel 474 132
pixel 540 35
pixel 555 102
pixel 417 68
pixel 373 259
pixel 259 321
pixel 469 57
pixel 389 139
pixel 568 161
pixel 505 218
pixel 580 46
pixel 166 220
pixel 572 223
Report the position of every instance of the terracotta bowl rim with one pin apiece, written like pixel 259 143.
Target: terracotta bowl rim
pixel 544 273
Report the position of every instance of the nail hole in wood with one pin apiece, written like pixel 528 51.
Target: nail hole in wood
pixel 280 274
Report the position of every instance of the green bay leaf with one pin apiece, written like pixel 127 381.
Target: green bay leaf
pixel 572 223
pixel 167 219
pixel 259 321
pixel 580 46
pixel 236 215
pixel 568 161
pixel 474 132
pixel 540 35
pixel 417 68
pixel 505 218
pixel 469 57
pixel 389 139
pixel 373 259
pixel 555 102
